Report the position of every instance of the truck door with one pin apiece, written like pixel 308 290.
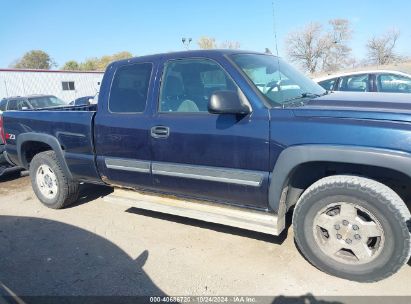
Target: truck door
pixel 219 157
pixel 122 126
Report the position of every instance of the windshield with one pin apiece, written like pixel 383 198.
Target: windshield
pixel 46 102
pixel 279 82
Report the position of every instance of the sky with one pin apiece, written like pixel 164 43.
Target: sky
pixel 81 29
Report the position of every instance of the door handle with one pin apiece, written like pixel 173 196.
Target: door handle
pixel 160 132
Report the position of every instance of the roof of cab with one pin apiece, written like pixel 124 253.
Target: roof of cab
pixel 185 54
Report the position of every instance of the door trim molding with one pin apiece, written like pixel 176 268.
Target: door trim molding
pixel 205 173
pixel 128 165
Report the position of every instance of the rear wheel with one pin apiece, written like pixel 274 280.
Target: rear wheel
pixel 50 184
pixel 353 227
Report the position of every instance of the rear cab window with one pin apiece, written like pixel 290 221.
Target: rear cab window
pixel 12 105
pixel 18 105
pixel 129 88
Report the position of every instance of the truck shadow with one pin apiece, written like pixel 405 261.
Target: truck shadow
pixel 10 176
pixel 89 192
pixel 41 257
pixel 216 227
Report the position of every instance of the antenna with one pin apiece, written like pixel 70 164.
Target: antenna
pixel 276 50
pixel 275 31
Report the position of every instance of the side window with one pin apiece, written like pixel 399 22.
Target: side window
pixel 130 88
pixel 392 83
pixel 328 84
pixel 354 83
pixel 12 105
pixel 19 105
pixel 68 85
pixel 23 105
pixel 188 84
pixel 3 105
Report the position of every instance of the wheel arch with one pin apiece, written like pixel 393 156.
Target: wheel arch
pixel 30 144
pixel 282 196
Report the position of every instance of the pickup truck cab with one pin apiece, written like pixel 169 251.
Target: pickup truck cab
pixel 236 138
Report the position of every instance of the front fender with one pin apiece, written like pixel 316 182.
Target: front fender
pixel 292 157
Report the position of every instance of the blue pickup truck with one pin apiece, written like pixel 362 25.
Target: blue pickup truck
pixel 236 138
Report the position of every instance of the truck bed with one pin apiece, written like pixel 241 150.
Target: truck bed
pixel 72 126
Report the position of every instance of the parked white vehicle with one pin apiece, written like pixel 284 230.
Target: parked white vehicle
pixel 367 81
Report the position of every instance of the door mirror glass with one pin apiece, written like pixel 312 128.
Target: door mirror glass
pixel 227 102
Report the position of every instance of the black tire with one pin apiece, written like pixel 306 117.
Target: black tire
pixel 68 190
pixel 382 202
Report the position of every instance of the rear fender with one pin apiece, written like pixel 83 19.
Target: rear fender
pixel 45 139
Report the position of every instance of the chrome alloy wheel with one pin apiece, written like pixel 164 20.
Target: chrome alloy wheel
pixel 348 233
pixel 46 181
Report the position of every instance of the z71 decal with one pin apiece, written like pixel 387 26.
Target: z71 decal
pixel 10 136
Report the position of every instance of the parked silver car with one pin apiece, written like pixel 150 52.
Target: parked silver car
pixel 368 81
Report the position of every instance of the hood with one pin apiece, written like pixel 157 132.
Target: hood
pixel 375 106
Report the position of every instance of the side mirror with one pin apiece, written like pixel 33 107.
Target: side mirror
pixel 227 102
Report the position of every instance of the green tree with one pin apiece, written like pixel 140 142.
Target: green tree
pixel 35 59
pixel 104 61
pixel 121 55
pixel 100 64
pixel 71 65
pixel 91 64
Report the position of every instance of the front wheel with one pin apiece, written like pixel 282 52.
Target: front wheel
pixel 353 227
pixel 50 184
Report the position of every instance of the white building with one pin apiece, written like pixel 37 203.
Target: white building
pixel 67 85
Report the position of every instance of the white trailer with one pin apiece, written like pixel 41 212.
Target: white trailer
pixel 67 85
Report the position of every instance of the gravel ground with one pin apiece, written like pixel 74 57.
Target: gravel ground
pixel 98 248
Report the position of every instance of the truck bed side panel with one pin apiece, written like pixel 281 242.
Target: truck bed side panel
pixel 72 129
